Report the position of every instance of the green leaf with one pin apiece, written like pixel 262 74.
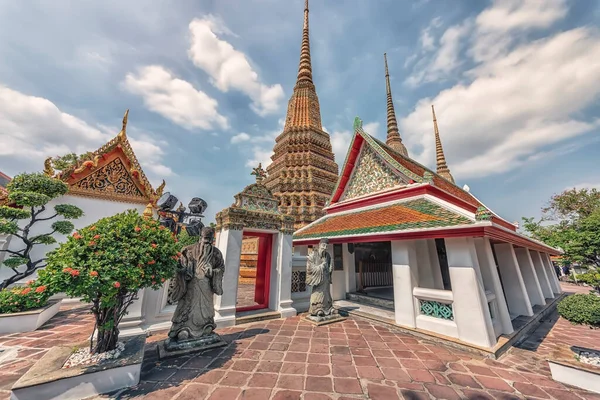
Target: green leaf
pixel 14 213
pixel 37 183
pixel 68 211
pixel 64 227
pixel 14 261
pixel 29 199
pixel 43 239
pixel 8 227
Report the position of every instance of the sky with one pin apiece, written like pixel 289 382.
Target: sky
pixel 515 84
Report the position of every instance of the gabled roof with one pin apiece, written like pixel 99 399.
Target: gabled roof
pixel 4 180
pixel 386 218
pixel 112 172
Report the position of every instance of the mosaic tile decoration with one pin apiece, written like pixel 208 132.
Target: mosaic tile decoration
pixel 436 309
pixel 371 174
pixel 414 214
pixel 298 281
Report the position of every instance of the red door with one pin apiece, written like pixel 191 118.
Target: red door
pixel 263 271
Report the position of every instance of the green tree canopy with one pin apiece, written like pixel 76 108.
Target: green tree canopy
pixel 571 221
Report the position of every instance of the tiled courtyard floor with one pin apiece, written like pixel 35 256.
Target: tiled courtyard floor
pixel 355 359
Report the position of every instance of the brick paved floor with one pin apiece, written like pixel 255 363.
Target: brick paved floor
pixel 355 359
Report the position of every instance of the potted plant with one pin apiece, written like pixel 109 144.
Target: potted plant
pixel 105 264
pixel 23 218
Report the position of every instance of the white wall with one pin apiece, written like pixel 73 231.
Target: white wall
pixel 93 210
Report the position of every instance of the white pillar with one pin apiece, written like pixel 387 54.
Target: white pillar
pixel 534 291
pixel 281 283
pixel 543 278
pixel 471 312
pixel 549 267
pixel 349 269
pixel 514 287
pixel 490 274
pixel 230 244
pixel 406 277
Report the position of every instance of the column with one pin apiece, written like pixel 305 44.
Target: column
pixel 550 268
pixel 349 269
pixel 406 277
pixel 230 244
pixel 489 273
pixel 471 312
pixel 534 291
pixel 540 270
pixel 512 280
pixel 283 276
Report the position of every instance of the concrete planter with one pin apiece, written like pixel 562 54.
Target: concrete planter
pixel 566 369
pixel 28 321
pixel 47 380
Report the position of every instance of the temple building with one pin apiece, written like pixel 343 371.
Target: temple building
pixel 303 172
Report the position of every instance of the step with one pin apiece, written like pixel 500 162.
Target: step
pixel 372 312
pixel 369 300
pixel 255 316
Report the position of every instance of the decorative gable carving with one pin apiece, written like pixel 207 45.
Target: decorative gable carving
pixel 112 180
pixel 371 174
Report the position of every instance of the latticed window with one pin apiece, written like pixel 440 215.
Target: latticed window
pixel 436 309
pixel 298 281
pixel 338 257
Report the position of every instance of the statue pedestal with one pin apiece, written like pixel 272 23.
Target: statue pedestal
pixel 327 319
pixel 168 348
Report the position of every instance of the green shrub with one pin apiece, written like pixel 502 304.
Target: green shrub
pixel 107 263
pixel 33 295
pixel 581 309
pixel 592 278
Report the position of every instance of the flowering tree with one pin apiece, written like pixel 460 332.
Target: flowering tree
pixel 107 263
pixel 18 299
pixel 30 193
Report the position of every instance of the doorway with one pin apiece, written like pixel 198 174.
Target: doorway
pixel 255 272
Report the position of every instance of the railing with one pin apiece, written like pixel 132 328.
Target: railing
pixel 374 274
pixel 435 303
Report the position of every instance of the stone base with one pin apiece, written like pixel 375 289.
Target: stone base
pixel 28 321
pixel 168 349
pixel 328 319
pixel 565 368
pixel 48 380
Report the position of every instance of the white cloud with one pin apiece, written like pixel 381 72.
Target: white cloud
pixel 174 98
pixel 230 68
pixel 372 128
pixel 340 142
pixel 34 128
pixel 585 185
pixel 240 137
pixel 426 39
pixel 518 105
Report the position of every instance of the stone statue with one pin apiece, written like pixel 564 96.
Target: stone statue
pixel 199 278
pixel 318 275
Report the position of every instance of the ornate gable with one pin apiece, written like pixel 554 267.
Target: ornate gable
pixel 112 173
pixel 371 174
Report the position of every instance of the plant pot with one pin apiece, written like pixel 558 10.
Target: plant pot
pixel 49 381
pixel 28 321
pixel 566 369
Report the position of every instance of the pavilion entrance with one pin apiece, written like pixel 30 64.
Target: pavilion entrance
pixel 255 271
pixel 373 268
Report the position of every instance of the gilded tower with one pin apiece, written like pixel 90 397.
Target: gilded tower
pixel 393 134
pixel 303 173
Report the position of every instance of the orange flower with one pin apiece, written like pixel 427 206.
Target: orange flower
pixel 152 277
pixel 151 262
pixel 40 289
pixel 94 273
pixel 96 236
pixel 92 243
pixel 137 229
pixel 93 228
pixel 178 254
pixel 154 245
pixel 77 236
pixel 25 291
pixel 31 282
pixel 69 269
pixel 154 283
pixel 162 279
pixel 117 284
pixel 175 258
pixel 162 228
pixel 74 272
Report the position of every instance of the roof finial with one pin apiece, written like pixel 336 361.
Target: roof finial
pixel 123 132
pixel 393 134
pixel 305 67
pixel 259 172
pixel 442 167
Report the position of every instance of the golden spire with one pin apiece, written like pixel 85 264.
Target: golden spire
pixel 123 132
pixel 442 167
pixel 305 67
pixel 393 134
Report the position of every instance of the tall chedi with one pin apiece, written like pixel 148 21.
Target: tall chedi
pixel 393 134
pixel 303 173
pixel 442 168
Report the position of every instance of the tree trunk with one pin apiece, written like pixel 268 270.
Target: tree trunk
pixel 107 340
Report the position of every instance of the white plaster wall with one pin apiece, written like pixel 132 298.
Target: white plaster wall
pixel 349 269
pixel 405 271
pixel 541 274
pixel 534 291
pixel 512 280
pixel 93 210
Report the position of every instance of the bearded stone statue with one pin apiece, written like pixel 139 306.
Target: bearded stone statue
pixel 199 278
pixel 318 275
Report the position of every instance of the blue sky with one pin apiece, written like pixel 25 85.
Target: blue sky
pixel 515 85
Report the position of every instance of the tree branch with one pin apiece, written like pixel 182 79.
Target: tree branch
pixel 46 219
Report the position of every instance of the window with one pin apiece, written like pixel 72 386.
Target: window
pixel 338 257
pixel 443 259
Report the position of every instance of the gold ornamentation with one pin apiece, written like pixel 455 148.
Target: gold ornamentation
pixel 259 172
pixel 48 169
pixel 148 211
